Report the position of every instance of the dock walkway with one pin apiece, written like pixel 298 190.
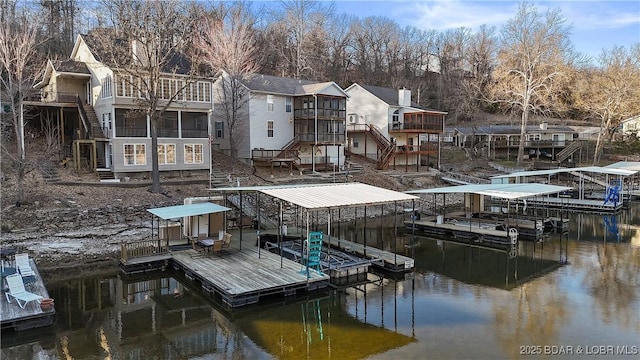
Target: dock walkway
pixel 14 317
pixel 391 261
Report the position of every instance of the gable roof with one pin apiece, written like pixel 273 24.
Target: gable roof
pixel 287 86
pixel 70 66
pixel 274 84
pixel 62 66
pixel 177 62
pixel 390 97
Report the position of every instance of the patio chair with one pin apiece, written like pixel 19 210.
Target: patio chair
pixel 17 291
pixel 24 268
pixel 226 242
pixel 216 249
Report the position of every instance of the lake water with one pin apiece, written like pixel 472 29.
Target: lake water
pixel 576 295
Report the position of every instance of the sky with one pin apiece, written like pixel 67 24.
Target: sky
pixel 595 25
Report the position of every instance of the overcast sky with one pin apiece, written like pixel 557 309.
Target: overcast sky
pixel 596 25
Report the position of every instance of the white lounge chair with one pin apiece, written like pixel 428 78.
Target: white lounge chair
pixel 23 265
pixel 24 268
pixel 17 291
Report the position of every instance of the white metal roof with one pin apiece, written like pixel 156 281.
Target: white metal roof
pixel 264 187
pixel 336 195
pixel 590 169
pixel 504 191
pixel 627 165
pixel 178 211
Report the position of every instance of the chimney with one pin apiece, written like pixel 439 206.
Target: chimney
pixel 543 126
pixel 404 97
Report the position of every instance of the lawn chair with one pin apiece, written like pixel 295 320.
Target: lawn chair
pixel 24 268
pixel 17 291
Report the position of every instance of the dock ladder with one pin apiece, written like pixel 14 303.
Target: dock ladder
pixel 311 252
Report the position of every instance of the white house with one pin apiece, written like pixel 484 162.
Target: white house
pixel 385 125
pixel 285 121
pixel 631 126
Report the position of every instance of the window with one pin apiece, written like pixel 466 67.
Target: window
pixel 287 104
pixel 533 137
pixel 269 102
pixel 166 154
pixel 135 154
pixel 355 143
pixel 107 87
pixel 193 154
pixel 270 128
pixel 219 129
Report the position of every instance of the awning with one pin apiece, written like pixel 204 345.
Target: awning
pixel 589 169
pixel 504 191
pixel 179 211
pixel 336 195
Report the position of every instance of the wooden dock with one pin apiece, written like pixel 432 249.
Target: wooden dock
pixel 241 278
pixel 335 263
pixel 16 318
pixel 463 232
pixel 387 260
pixel 572 204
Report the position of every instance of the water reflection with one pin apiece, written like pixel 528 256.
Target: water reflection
pixel 576 288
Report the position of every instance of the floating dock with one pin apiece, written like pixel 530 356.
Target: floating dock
pixel 470 232
pixel 335 263
pixel 12 316
pixel 385 259
pixel 239 277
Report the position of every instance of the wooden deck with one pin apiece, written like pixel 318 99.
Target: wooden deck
pixel 463 232
pixel 335 263
pixel 571 204
pixel 240 277
pixel 14 317
pixel 391 261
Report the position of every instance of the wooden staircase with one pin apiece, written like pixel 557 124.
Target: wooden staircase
pixel 49 172
pixel 90 120
pixel 568 151
pixel 388 148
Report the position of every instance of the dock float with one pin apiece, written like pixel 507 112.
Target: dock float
pixel 388 260
pixel 12 316
pixel 241 277
pixel 337 264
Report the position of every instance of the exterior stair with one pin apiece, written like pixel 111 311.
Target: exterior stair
pixel 49 172
pixel 387 147
pixel 90 120
pixel 568 151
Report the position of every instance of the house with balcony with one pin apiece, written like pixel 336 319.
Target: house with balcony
pixel 384 125
pixel 553 142
pixel 630 126
pixel 284 122
pixel 95 111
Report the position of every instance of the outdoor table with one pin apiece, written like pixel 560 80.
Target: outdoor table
pixel 207 243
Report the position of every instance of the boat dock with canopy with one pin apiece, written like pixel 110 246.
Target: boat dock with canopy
pixel 312 201
pixel 594 188
pixel 497 227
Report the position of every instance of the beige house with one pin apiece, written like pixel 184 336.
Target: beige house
pixel 94 109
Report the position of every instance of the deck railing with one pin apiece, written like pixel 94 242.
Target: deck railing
pixel 142 248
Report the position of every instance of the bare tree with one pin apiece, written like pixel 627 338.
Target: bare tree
pixel 533 51
pixel 227 43
pixel 18 73
pixel 149 45
pixel 611 92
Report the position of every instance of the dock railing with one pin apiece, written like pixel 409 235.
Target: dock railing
pixel 135 249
